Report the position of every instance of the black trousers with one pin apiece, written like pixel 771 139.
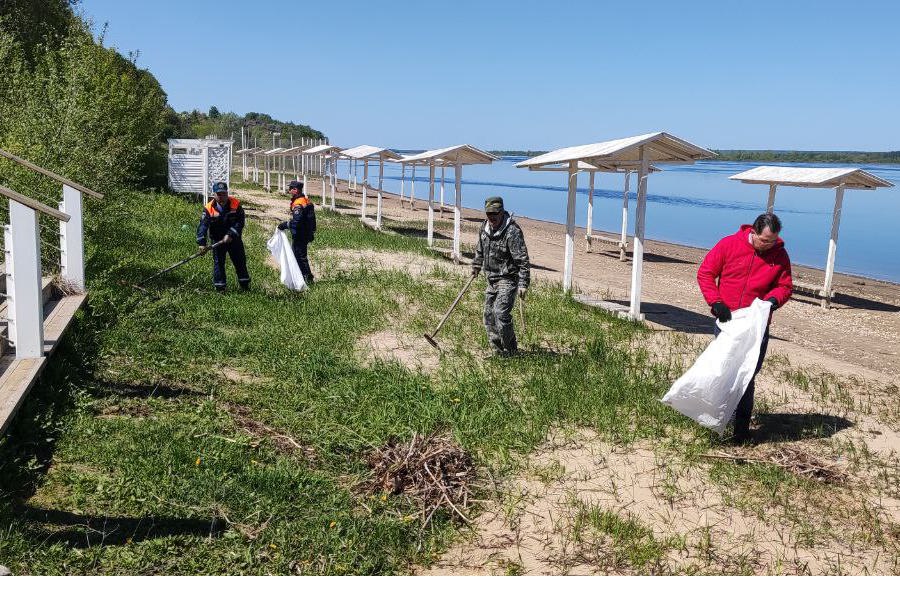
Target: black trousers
pixel 234 249
pixel 745 406
pixel 300 247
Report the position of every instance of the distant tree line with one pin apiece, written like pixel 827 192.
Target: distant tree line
pixel 258 127
pixel 821 156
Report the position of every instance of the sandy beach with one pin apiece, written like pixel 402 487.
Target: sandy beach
pixel 858 335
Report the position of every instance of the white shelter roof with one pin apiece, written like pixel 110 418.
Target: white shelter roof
pixel 274 151
pixel 813 177
pixel 585 166
pixel 248 151
pixel 662 147
pixel 322 149
pixel 365 151
pixel 464 154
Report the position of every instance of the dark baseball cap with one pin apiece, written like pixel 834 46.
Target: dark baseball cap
pixel 295 184
pixel 494 204
pixel 220 186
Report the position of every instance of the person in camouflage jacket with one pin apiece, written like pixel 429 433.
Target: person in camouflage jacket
pixel 502 255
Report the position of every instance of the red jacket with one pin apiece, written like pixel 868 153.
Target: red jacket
pixel 743 273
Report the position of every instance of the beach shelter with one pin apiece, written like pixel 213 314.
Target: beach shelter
pixel 638 153
pixel 620 241
pixel 456 157
pixel 838 179
pixel 259 152
pixel 294 153
pixel 271 165
pixel 365 154
pixel 327 153
pixel 245 167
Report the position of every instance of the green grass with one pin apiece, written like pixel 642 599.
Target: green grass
pixel 126 458
pixel 618 543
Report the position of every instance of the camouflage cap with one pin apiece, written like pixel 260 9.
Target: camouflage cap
pixel 494 204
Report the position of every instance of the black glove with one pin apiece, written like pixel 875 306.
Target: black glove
pixel 773 301
pixel 283 225
pixel 722 312
pixel 476 269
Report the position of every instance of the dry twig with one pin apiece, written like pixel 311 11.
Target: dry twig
pixel 793 459
pixel 433 471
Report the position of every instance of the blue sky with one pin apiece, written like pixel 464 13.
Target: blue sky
pixel 532 75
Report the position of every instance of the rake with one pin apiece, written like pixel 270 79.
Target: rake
pixel 462 292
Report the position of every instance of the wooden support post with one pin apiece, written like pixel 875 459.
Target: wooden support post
pixel 412 188
pixel 431 204
pixel 590 212
pixel 569 257
pixel 350 186
pixel 832 244
pixel 770 205
pixel 333 181
pixel 457 214
pixel 25 306
pixel 324 193
pixel 71 238
pixel 365 186
pixel 442 192
pixel 637 255
pixel 380 190
pixel 624 239
pixel 402 181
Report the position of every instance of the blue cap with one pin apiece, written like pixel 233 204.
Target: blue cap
pixel 220 186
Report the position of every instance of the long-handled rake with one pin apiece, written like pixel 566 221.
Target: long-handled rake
pixel 462 292
pixel 139 285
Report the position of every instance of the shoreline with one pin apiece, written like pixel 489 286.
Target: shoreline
pixel 859 335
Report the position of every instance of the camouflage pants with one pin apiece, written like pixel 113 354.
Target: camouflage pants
pixel 499 299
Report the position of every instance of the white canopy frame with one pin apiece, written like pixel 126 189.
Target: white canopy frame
pixel 365 154
pixel 838 179
pixel 328 154
pixel 634 153
pixel 457 157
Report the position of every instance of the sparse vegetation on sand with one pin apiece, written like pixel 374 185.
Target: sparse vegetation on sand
pixel 199 433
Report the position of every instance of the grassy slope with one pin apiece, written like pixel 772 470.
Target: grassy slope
pixel 127 460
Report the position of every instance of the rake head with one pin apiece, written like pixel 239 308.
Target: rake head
pixel 432 342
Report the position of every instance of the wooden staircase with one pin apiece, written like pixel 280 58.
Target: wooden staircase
pixel 34 312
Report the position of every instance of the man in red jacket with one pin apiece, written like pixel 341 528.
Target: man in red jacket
pixel 749 264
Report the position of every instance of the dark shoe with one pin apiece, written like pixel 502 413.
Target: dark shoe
pixel 742 437
pixel 245 287
pixel 221 290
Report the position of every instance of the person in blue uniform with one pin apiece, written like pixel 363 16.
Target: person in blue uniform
pixel 223 218
pixel 302 226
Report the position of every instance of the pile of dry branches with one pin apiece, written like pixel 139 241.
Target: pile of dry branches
pixel 794 459
pixel 433 471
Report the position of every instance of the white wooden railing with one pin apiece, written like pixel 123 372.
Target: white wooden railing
pixel 22 243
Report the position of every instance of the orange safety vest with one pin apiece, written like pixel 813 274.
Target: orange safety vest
pixel 233 204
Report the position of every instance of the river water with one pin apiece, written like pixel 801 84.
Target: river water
pixel 694 205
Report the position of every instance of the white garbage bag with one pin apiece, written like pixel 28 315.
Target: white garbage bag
pixel 711 389
pixel 281 251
